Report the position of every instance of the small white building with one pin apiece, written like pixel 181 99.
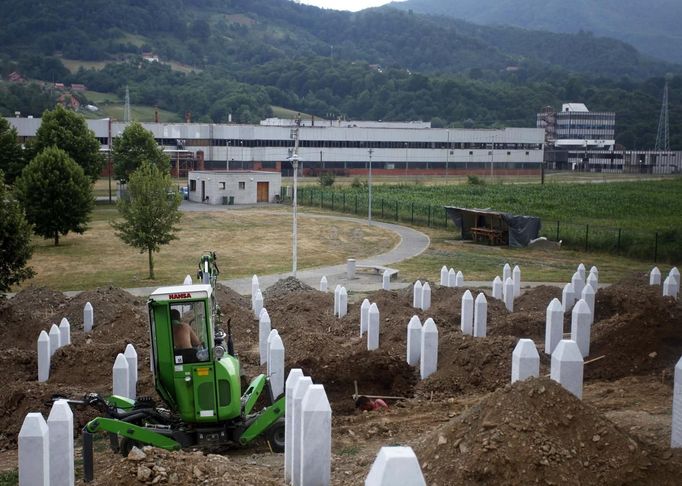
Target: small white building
pixel 234 187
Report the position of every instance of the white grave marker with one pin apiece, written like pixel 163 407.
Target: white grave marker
pixel 567 297
pixel 581 271
pixel 343 302
pixel 44 355
pixel 675 273
pixel 509 295
pixel 64 332
pixel 567 367
pixel 480 316
pixel 429 349
pixel 373 327
pixel 589 297
pixel 444 276
pixel 516 277
pixel 395 466
pixel 34 451
pixel 316 438
pixel 594 270
pixel 417 294
pixel 120 376
pixel 131 357
pixel 337 290
pixel 498 291
pixel 257 304
pixel 323 284
pixel 276 366
pixel 466 324
pixel 655 276
pixel 426 297
pixel 554 325
pixel 581 326
pixel 452 277
pixel 386 280
pixel 364 316
pixel 272 334
pixel 459 279
pixel 88 317
pixel 60 425
pixel 506 272
pixel 187 281
pixel 414 340
pixel 676 436
pixel 593 281
pixel 55 338
pixel 668 287
pixel 300 389
pixel 264 328
pixel 292 380
pixel 578 283
pixel 525 361
pixel 255 287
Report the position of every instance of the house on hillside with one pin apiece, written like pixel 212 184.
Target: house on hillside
pixel 15 77
pixel 78 87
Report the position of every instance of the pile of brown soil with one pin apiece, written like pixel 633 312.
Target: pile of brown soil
pixel 531 432
pixel 26 314
pixel 528 318
pixel 286 286
pixel 109 304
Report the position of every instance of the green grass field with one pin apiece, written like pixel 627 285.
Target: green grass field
pixel 639 219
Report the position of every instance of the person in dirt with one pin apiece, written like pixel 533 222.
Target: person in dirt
pixel 184 336
pixel 366 404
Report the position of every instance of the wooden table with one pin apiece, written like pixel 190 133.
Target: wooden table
pixel 494 236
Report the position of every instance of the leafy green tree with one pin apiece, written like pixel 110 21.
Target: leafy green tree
pixel 15 241
pixel 56 194
pixel 134 147
pixel 149 211
pixel 68 131
pixel 11 153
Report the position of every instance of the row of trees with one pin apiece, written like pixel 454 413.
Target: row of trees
pixel 46 189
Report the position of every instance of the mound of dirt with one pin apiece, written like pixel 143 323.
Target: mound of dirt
pixel 26 314
pixel 531 432
pixel 285 287
pixel 109 304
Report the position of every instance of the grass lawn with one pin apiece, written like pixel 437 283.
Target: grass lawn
pixel 247 241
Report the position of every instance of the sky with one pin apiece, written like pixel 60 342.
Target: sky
pixel 352 5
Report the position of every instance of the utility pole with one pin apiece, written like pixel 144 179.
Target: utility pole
pixel 109 141
pixel 126 108
pixel 227 155
pixel 447 158
pixel 663 134
pixel 369 185
pixel 294 164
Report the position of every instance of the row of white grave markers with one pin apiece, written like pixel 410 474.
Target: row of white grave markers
pixel 422 345
pixel 308 435
pixel 450 278
pixel 671 284
pixel 275 368
pixel 48 344
pixel 124 373
pixel 395 465
pixel 340 301
pixel 46 449
pixel 421 295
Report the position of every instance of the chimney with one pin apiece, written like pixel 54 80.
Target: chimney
pixel 156 114
pixel 200 160
pixel 188 117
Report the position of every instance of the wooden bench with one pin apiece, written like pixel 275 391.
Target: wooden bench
pixel 378 269
pixel 494 237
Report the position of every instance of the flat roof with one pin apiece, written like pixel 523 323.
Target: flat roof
pixel 182 292
pixel 229 172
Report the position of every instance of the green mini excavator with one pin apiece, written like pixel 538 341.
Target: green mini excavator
pixel 197 376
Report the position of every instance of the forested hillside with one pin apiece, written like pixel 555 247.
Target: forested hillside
pixel 653 26
pixel 241 57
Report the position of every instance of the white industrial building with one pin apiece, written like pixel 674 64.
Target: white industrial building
pixel 234 187
pixel 345 148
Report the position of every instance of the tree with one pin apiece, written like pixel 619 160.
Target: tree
pixel 149 211
pixel 68 131
pixel 56 194
pixel 135 146
pixel 15 241
pixel 11 153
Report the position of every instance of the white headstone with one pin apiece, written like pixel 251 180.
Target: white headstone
pixel 525 361
pixel 386 280
pixel 593 280
pixel 417 295
pixel 498 291
pixel 55 339
pixel 276 366
pixel 567 367
pixel 34 451
pixel 581 326
pixel 88 317
pixel 64 332
pixel 459 279
pixel 676 436
pixel 395 466
pixel 60 424
pixel 506 272
pixel 452 277
pixel 554 325
pixel 675 273
pixel 323 284
pixel 567 297
pixel 120 376
pixel 264 328
pixel 466 322
pixel 426 297
pixel 373 327
pixel 316 438
pixel 509 294
pixel 516 277
pixel 444 276
pixel 131 357
pixel 594 270
pixel 255 287
pixel 578 283
pixel 292 380
pixel 480 316
pixel 350 268
pixel 272 334
pixel 588 296
pixel 257 304
pixel 414 340
pixel 581 271
pixel 343 302
pixel 668 287
pixel 655 276
pixel 187 281
pixel 44 355
pixel 337 290
pixel 429 351
pixel 364 316
pixel 300 389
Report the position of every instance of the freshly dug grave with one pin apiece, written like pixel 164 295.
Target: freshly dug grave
pixel 532 432
pixel 26 314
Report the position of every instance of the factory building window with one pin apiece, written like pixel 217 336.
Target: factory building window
pixel 192 185
pixel 221 186
pixel 242 185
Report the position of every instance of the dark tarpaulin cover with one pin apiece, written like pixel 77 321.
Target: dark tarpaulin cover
pixel 522 229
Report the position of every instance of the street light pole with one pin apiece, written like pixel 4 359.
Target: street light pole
pixel 369 185
pixel 227 155
pixel 294 237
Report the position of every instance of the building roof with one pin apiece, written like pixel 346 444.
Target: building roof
pixel 574 107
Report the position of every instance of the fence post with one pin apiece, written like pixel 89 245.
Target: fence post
pixel 356 204
pixel 618 245
pixel 382 208
pixel 445 218
pixel 655 246
pixel 332 200
pixel 344 202
pixel 412 212
pixel 396 210
pixel 557 230
pixel 587 235
pixel 311 198
pixel 321 199
pixel 429 217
